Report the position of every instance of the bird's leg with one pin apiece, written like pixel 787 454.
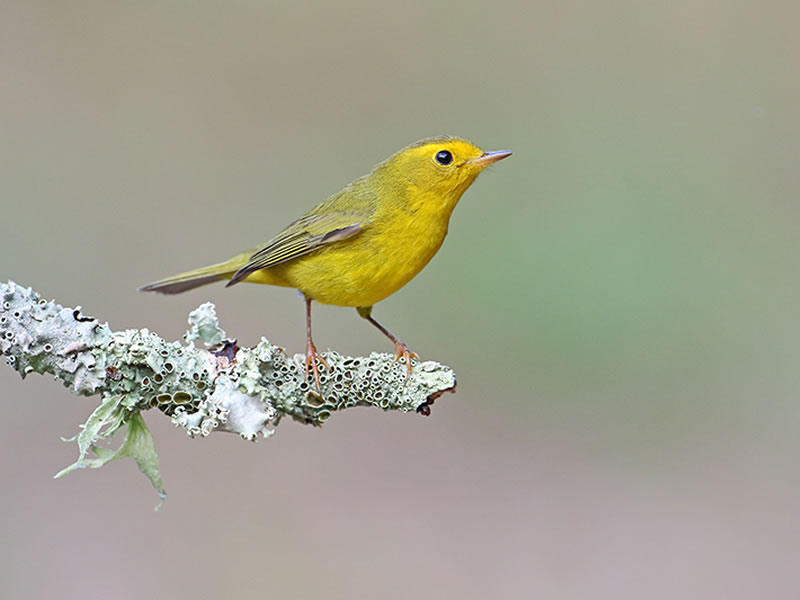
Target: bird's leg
pixel 400 349
pixel 312 356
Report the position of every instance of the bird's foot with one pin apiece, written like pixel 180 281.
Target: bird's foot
pixel 312 359
pixel 403 351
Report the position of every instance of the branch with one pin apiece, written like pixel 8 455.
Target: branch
pixel 217 387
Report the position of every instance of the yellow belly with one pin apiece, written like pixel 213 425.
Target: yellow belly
pixel 362 270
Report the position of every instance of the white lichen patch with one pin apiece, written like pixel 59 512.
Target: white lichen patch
pixel 245 414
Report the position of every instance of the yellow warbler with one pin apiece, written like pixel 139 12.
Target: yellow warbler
pixel 363 243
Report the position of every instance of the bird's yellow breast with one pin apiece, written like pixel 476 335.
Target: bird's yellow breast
pixel 375 263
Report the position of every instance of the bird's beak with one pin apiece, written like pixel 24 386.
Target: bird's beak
pixel 487 158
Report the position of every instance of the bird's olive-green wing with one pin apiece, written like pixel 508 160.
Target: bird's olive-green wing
pixel 305 235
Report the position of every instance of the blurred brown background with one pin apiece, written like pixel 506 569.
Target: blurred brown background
pixel 619 299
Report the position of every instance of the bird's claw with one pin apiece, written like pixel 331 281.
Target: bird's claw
pixel 403 351
pixel 312 358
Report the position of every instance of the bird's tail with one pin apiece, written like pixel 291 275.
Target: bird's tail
pixel 192 279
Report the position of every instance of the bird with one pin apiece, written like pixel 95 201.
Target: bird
pixel 364 242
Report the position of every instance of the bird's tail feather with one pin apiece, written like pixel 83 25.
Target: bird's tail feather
pixel 191 279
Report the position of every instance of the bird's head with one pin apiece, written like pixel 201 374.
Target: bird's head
pixel 442 167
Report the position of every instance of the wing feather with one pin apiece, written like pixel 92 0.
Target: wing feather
pixel 307 234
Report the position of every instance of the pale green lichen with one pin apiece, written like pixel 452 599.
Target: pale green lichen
pixel 217 387
pixel 138 443
pixel 205 326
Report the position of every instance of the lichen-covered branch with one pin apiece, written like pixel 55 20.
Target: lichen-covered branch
pixel 217 386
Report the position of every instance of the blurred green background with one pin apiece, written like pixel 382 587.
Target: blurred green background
pixel 619 299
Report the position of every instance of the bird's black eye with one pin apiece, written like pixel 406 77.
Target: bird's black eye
pixel 444 157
